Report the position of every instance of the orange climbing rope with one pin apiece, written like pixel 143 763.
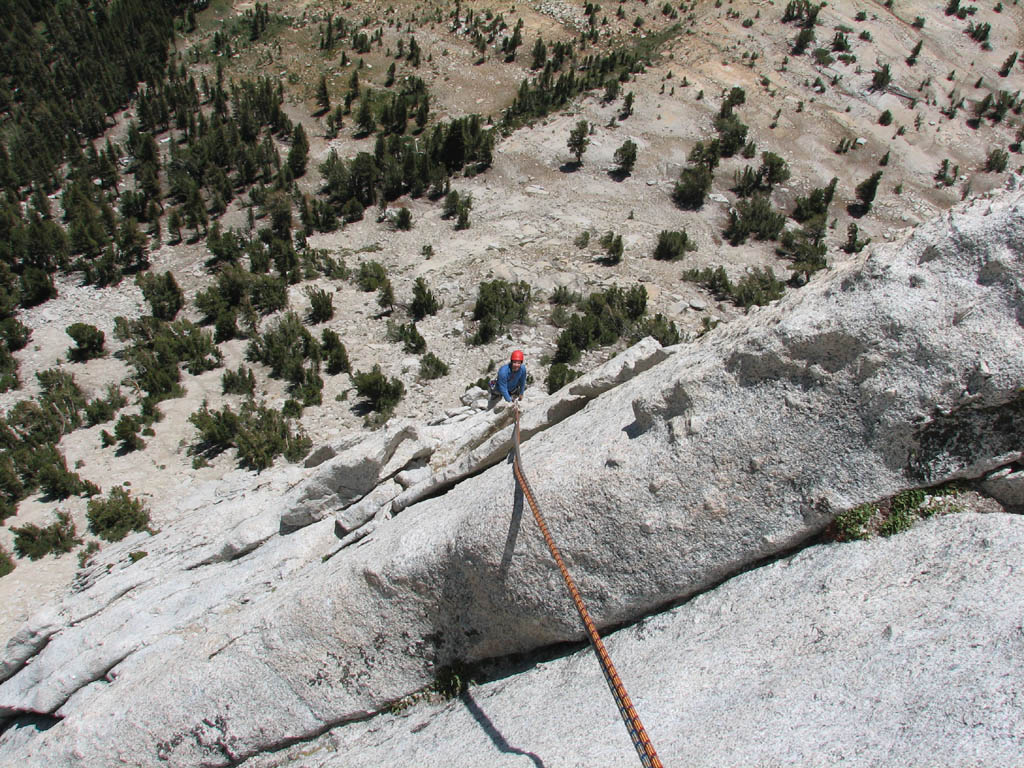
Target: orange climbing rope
pixel 644 747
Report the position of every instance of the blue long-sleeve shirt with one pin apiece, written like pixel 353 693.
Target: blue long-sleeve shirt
pixel 511 382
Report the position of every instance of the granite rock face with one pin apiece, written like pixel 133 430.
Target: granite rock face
pixel 239 634
pixel 885 652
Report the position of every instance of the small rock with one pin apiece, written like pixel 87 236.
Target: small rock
pixel 471 395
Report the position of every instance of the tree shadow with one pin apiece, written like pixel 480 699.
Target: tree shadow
pixel 493 733
pixel 857 210
pixel 362 407
pixel 617 174
pixel 571 167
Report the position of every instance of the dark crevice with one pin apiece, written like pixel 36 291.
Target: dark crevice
pixel 287 742
pixel 39 722
pixel 228 557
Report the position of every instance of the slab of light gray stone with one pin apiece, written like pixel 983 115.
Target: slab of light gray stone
pixel 1006 485
pixel 903 369
pixel 353 472
pixel 887 652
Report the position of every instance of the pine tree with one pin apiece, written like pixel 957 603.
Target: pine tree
pixel 579 140
pixel 867 189
pixel 625 157
pixel 423 300
pixel 539 54
pixel 323 97
pixel 386 296
pixel 365 122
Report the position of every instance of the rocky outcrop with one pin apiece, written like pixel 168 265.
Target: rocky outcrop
pixel 904 369
pixel 887 652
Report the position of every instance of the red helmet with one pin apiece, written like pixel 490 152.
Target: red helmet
pixel 518 355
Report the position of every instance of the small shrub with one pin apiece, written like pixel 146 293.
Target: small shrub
pixel 885 118
pixel 58 482
pixel 997 161
pixel 881 78
pixel 217 430
pixel 116 516
pixel 309 389
pixel 102 410
pixel 816 204
pixel 163 293
pixel 284 347
pixel 451 205
pixel 35 542
pixel 89 341
pixel 386 296
pixel 403 220
pixel 465 206
pixel 451 682
pixel 335 353
pixel 321 305
pixel 693 186
pixel 606 317
pixel 672 246
pixel 625 157
pixel 498 305
pixel 560 316
pixel 662 329
pixel 753 217
pixel 715 279
pixel 241 381
pixel 14 335
pixel 562 296
pixel 259 434
pixel 85 554
pixel 6 562
pixel 613 248
pixel 853 242
pixel 371 276
pixel 423 300
pixel 126 432
pixel 382 394
pixel 867 189
pixel 432 367
pixel 411 339
pixel 759 286
pixel 560 374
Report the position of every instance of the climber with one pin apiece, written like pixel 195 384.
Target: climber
pixel 511 381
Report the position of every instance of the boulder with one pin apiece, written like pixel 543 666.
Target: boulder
pixel 471 395
pixel 1007 486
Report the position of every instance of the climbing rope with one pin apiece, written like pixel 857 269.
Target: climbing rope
pixel 644 748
